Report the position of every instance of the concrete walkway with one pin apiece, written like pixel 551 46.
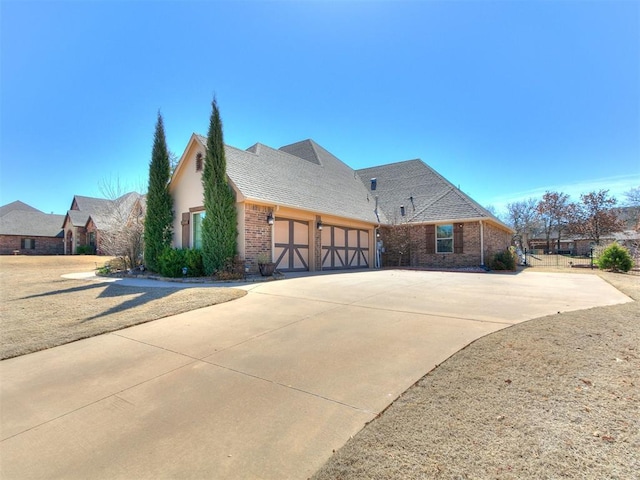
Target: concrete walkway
pixel 262 387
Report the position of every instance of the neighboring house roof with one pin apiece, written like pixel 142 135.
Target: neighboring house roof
pixel 102 211
pixel 113 212
pixel 31 224
pixel 302 175
pixel 17 205
pixel 624 235
pixel 425 194
pixel 77 218
pixel 89 204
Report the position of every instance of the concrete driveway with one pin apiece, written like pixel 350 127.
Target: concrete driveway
pixel 266 386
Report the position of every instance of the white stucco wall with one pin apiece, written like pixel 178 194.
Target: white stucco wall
pixel 188 195
pixel 186 189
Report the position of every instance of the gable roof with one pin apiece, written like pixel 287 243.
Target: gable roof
pixel 306 176
pixel 77 218
pixel 302 175
pixel 89 204
pixel 425 194
pixel 101 210
pixel 31 223
pixel 17 205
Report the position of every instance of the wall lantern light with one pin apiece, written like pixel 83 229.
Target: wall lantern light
pixel 319 224
pixel 270 218
pixel 402 210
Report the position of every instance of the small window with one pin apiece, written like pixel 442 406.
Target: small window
pixel 197 229
pixel 198 162
pixel 28 244
pixel 444 239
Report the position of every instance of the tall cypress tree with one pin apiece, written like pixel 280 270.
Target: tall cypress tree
pixel 219 226
pixel 158 227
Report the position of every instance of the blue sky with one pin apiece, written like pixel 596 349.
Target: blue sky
pixel 505 99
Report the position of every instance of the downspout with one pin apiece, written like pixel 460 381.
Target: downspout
pixel 377 262
pixel 481 244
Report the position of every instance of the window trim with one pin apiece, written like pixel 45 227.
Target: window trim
pixel 194 225
pixel 438 238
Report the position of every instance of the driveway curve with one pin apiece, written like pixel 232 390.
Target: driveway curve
pixel 263 387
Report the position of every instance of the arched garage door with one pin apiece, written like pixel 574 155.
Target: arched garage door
pixel 291 245
pixel 344 247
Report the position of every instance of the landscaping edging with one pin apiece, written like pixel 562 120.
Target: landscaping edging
pixel 196 280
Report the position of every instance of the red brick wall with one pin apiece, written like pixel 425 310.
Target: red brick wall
pixel 495 240
pixel 44 245
pixel 405 245
pixel 258 237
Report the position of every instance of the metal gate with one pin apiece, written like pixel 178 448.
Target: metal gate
pixel 559 259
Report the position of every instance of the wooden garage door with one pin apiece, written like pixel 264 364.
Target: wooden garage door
pixel 291 245
pixel 344 248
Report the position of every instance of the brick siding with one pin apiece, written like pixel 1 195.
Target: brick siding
pixel 44 245
pixel 495 240
pixel 258 237
pixel 406 246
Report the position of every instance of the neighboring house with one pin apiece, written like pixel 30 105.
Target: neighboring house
pixel 579 245
pixel 572 244
pixel 310 211
pixel 89 218
pixel 27 230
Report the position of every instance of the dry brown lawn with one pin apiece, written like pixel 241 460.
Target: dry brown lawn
pixel 555 397
pixel 39 309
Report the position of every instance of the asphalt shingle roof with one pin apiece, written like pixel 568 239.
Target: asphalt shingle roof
pixel 17 205
pixel 31 223
pixel 426 195
pixel 91 204
pixel 302 175
pixel 101 210
pixel 78 218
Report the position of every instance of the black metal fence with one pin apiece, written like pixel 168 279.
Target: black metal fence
pixel 559 259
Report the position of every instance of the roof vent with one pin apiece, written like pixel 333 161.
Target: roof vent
pixel 374 183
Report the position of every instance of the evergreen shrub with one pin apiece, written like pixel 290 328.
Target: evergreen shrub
pixel 615 258
pixel 172 260
pixel 504 260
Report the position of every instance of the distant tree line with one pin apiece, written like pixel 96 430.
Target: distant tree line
pixel 555 216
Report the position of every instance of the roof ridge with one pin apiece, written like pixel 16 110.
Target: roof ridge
pixel 304 143
pixel 204 140
pixel 437 199
pixel 315 147
pixel 391 164
pixel 279 151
